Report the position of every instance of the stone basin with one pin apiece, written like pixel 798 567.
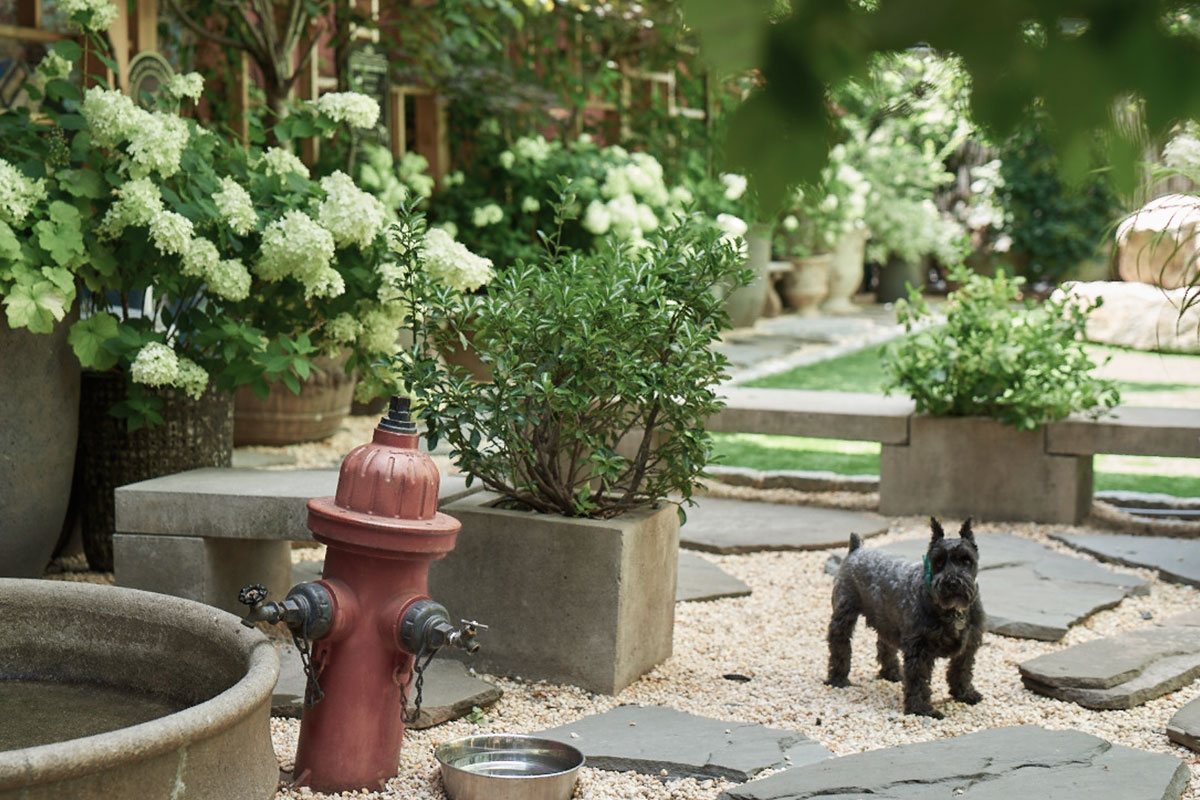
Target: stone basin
pixel 205 680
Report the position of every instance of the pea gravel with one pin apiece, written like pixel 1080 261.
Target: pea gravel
pixel 776 637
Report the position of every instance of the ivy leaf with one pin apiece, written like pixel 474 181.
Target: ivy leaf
pixel 60 236
pixel 36 306
pixel 87 338
pixel 83 183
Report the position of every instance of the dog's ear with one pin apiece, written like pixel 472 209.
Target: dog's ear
pixel 938 533
pixel 966 532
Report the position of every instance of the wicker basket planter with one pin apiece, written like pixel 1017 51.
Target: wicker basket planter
pixel 195 433
pixel 286 418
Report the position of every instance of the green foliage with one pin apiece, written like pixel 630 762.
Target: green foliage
pixel 1055 224
pixel 1091 54
pixel 603 375
pixel 1023 366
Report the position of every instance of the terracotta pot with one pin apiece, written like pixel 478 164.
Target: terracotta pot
pixel 845 273
pixel 807 284
pixel 39 406
pixel 286 418
pixel 195 433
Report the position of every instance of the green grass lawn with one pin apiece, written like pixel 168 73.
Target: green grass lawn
pixel 862 371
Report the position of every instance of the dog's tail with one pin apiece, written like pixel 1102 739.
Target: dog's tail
pixel 855 542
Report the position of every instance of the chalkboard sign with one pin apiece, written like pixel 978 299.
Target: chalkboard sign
pixel 369 74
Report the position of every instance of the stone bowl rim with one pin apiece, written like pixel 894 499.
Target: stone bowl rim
pixel 32 766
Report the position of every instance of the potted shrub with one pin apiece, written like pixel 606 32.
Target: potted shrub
pixel 590 432
pixel 985 385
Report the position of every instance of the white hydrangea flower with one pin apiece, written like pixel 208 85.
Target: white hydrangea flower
pixel 530 205
pixel 391 277
pixel 18 193
pixel 111 115
pixel 623 211
pixel 507 159
pixel 156 144
pixel 156 364
pixel 735 185
pixel 354 108
pixel 295 246
pixel 456 178
pixel 646 220
pixel 597 219
pixel 92 15
pixel 681 196
pixel 342 329
pixel 421 184
pixel 230 279
pixel 190 85
pixel 379 331
pixel 192 378
pixel 350 214
pixel 199 258
pixel 790 223
pixel 283 162
pixel 138 202
pixel 532 148
pixel 171 233
pixel 486 215
pixel 732 227
pixel 236 206
pixel 449 227
pixel 53 67
pixel 452 264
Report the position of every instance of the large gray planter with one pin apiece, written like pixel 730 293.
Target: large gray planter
pixel 578 601
pixel 39 423
pixel 745 304
pixel 975 466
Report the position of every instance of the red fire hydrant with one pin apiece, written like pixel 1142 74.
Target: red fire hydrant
pixel 370 617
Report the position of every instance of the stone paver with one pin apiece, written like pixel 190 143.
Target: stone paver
pixel 1030 591
pixel 718 525
pixel 1119 671
pixel 1175 559
pixel 996 764
pixel 652 739
pixel 698 579
pixel 1184 727
pixel 449 691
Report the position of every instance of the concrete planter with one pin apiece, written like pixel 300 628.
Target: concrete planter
pixel 39 409
pixel 975 466
pixel 745 304
pixel 579 601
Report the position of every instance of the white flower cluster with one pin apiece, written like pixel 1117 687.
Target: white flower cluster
pixel 154 140
pixel 53 66
pixel 342 329
pixel 156 364
pixel 380 327
pixel 190 85
pixel 507 159
pixel 171 233
pixel 138 201
pixel 236 206
pixel 92 15
pixel 349 213
pixel 530 205
pixel 486 215
pixel 735 185
pixel 1183 151
pixel 230 279
pixel 358 110
pixel 281 162
pixel 641 176
pixel 18 194
pixel 295 246
pixel 452 264
pixel 533 148
pixel 411 170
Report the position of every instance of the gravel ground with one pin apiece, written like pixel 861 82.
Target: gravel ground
pixel 781 647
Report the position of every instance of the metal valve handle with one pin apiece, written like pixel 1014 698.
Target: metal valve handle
pixel 252 595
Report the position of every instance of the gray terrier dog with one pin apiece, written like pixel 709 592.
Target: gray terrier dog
pixel 926 611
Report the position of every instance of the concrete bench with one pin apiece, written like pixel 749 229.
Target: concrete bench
pixel 968 465
pixel 206 533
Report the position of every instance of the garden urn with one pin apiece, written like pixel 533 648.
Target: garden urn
pixel 845 272
pixel 369 619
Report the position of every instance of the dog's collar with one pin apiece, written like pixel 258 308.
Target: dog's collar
pixel 928 573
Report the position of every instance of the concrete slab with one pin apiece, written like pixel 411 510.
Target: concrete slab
pixel 718 525
pixel 1175 559
pixel 1129 430
pixel 1184 727
pixel 449 692
pixel 698 579
pixel 651 739
pixel 1024 761
pixel 797 412
pixel 1030 591
pixel 1120 671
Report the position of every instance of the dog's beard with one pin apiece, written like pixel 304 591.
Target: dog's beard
pixel 954 591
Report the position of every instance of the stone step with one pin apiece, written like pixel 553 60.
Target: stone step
pixel 1184 727
pixel 719 525
pixel 1014 762
pixel 654 739
pixel 1175 559
pixel 1030 591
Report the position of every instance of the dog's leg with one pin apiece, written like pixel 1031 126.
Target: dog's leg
pixel 841 628
pixel 918 669
pixel 958 673
pixel 889 664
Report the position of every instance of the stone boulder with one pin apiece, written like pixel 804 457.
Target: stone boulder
pixel 1157 243
pixel 1140 316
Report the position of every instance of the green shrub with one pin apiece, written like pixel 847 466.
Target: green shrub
pixel 1023 365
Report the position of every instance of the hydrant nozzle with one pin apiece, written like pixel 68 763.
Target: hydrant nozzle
pixel 307 610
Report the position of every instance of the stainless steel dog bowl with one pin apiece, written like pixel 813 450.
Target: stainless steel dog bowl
pixel 508 766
